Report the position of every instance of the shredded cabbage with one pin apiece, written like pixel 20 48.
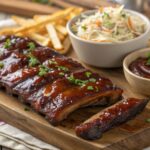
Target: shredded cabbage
pixel 109 24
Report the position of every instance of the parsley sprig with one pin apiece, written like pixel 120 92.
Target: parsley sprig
pixel 43 70
pixel 82 83
pixel 1 65
pixel 62 68
pixel 148 61
pixel 52 62
pixel 33 61
pixel 31 46
pixel 148 120
pixel 7 44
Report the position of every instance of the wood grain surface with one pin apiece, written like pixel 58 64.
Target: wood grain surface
pixel 135 134
pixel 25 8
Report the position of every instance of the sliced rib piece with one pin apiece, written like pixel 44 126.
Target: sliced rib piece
pixel 112 116
pixel 80 91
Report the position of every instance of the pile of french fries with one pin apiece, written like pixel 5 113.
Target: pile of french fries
pixel 47 30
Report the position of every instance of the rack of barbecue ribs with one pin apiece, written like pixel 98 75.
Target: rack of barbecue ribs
pixel 50 83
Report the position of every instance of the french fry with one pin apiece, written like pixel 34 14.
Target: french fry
pixel 66 44
pixel 7 31
pixel 54 37
pixel 37 37
pixel 19 20
pixel 61 29
pixel 60 36
pixel 40 17
pixel 47 42
pixel 51 18
pixel 22 21
pixel 48 30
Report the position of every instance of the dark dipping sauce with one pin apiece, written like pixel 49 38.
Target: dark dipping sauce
pixel 140 67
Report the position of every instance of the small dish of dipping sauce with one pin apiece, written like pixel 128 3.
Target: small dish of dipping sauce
pixel 141 66
pixel 137 70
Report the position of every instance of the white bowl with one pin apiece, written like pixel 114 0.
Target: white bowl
pixel 139 84
pixel 108 55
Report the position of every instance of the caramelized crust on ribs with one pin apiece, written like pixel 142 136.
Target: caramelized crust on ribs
pixel 51 83
pixel 119 113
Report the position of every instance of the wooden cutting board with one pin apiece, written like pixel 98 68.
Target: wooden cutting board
pixel 134 134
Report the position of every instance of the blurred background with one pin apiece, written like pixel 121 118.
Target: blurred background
pixel 30 7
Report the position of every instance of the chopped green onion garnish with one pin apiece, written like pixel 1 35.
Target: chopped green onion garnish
pixel 148 61
pixel 61 73
pixel 33 61
pixel 31 46
pixel 88 74
pixel 92 80
pixel 7 44
pixel 84 27
pixel 26 109
pixel 97 89
pixel 77 81
pixel 106 15
pixel 51 62
pixel 148 120
pixel 43 70
pixel 1 65
pixel 62 68
pixel 91 88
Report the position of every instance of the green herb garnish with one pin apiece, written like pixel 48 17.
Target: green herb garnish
pixel 148 61
pixel 148 120
pixel 80 82
pixel 106 15
pixel 62 68
pixel 31 46
pixel 92 80
pixel 43 70
pixel 33 61
pixel 123 15
pixel 88 74
pixel 51 62
pixel 97 89
pixel 84 27
pixel 77 81
pixel 71 78
pixel 61 73
pixel 109 24
pixel 91 88
pixel 26 109
pixel 7 44
pixel 1 65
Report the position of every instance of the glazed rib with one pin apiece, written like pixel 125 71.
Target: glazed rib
pixel 112 116
pixel 32 84
pixel 16 76
pixel 69 96
pixel 56 85
pixel 14 44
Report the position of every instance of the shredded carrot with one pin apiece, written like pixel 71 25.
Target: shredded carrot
pixel 103 40
pixel 130 24
pixel 107 30
pixel 98 23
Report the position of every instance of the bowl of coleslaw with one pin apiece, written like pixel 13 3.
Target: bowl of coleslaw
pixel 103 37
